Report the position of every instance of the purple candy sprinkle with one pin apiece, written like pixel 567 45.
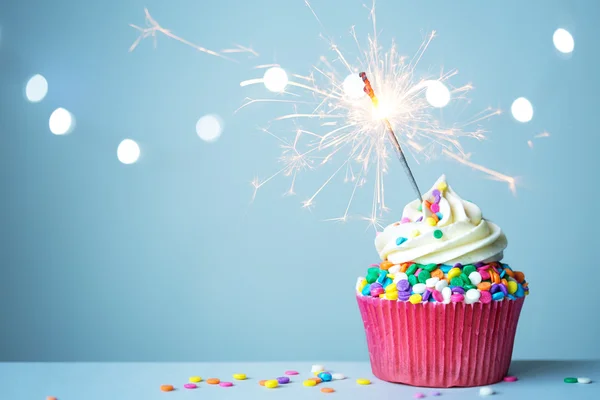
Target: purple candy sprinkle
pixel 458 265
pixel 479 265
pixel 403 285
pixel 437 199
pixel 419 396
pixel 403 296
pixel 426 295
pixel 435 192
pixel 503 289
pixel 495 288
pixel 458 289
pixel 420 219
pixel 283 380
pixel 376 285
pixel 436 394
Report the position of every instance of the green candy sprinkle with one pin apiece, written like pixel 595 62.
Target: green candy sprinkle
pixel 412 280
pixel 430 267
pixel 411 270
pixel 468 269
pixel 469 287
pixel 372 277
pixel 456 281
pixel 437 234
pixel 424 275
pixel 420 208
pixel 570 380
pixel 373 270
pixel 465 279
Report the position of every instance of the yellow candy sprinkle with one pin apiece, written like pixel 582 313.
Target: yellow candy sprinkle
pixel 391 288
pixel 381 296
pixel 442 186
pixel 415 233
pixel 363 381
pixel 195 379
pixel 512 287
pixel 362 285
pixel 315 373
pixel 453 273
pixel 415 298
pixel 391 276
pixel 392 295
pixel 239 377
pixel 309 382
pixel 271 384
pixel 431 221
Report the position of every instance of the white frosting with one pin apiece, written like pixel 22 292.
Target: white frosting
pixel 467 237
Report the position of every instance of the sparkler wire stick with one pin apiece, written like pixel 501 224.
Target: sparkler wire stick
pixel 369 90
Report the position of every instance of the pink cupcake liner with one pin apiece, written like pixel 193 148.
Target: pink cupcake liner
pixel 440 345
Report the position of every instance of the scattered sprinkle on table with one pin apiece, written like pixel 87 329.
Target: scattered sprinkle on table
pixel 570 380
pixel 213 381
pixel 195 379
pixel 309 382
pixel 239 377
pixel 436 394
pixel 317 368
pixel 271 384
pixel 327 390
pixel 291 372
pixel 338 376
pixel 584 380
pixel 419 396
pixel 225 384
pixel 166 388
pixel 510 378
pixel 283 380
pixel 190 386
pixel 262 382
pixel 486 391
pixel 50 398
pixel 363 381
pixel 325 376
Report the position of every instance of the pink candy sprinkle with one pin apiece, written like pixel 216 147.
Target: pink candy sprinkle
pixel 485 297
pixel 435 208
pixel 457 298
pixel 190 386
pixel 510 378
pixel 436 394
pixel 419 396
pixel 405 220
pixel 225 384
pixel 437 295
pixel 484 275
pixel 291 372
pixel 417 271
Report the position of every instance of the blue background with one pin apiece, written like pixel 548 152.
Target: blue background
pixel 167 259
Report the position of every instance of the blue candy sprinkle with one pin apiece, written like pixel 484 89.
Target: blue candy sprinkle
pixel 387 282
pixel 366 290
pixel 400 240
pixel 498 296
pixel 446 268
pixel 439 215
pixel 381 278
pixel 502 274
pixel 520 291
pixel 510 296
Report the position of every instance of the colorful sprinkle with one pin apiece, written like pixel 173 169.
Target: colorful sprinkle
pixel 271 384
pixel 363 381
pixel 195 379
pixel 584 380
pixel 327 390
pixel 435 208
pixel 309 382
pixel 325 376
pixel 239 377
pixel 400 240
pixel 570 380
pixel 190 386
pixel 291 372
pixel 431 221
pixel 419 396
pixel 486 391
pixel 167 388
pixel 415 233
pixel 405 220
pixel 338 377
pixel 283 380
pixel 438 234
pixel 510 378
pixel 213 381
pixel 225 384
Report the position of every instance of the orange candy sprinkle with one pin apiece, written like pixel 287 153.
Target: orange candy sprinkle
pixel 403 267
pixel 213 381
pixel 509 272
pixel 385 265
pixel 50 398
pixel 262 383
pixel 437 273
pixel 519 276
pixel 167 388
pixel 327 390
pixel 495 276
pixel 316 379
pixel 484 286
pixel 505 282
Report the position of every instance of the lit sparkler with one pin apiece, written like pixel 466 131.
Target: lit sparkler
pixel 351 127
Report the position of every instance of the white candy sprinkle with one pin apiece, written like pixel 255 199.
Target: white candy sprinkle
pixel 400 276
pixel 584 380
pixel 486 391
pixel 394 270
pixel 446 294
pixel 431 282
pixel 472 296
pixel 419 288
pixel 441 285
pixel 358 282
pixel 317 368
pixel 337 376
pixel 475 278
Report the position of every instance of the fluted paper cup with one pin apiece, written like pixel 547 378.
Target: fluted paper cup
pixel 440 345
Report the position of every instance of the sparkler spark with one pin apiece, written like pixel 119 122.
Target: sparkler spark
pixel 351 132
pixel 153 28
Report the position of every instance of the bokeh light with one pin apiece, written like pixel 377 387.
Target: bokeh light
pixel 275 79
pixel 353 87
pixel 36 88
pixel 522 110
pixel 437 94
pixel 209 127
pixel 563 41
pixel 128 151
pixel 61 121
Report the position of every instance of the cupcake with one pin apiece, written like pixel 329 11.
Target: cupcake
pixel 441 309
